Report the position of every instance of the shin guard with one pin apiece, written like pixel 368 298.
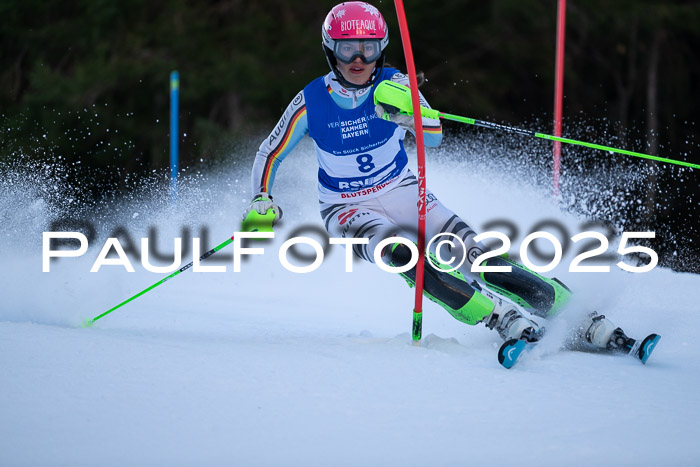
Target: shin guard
pixel 450 290
pixel 540 295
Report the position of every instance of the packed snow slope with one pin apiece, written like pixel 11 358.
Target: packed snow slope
pixel 270 367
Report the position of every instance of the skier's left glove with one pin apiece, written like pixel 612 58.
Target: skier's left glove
pixel 261 215
pixel 404 121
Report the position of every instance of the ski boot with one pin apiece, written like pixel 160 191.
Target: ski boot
pixel 512 324
pixel 602 333
pixel 519 334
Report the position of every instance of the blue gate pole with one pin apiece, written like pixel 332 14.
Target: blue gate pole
pixel 174 139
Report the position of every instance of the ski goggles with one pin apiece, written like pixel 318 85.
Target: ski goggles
pixel 369 50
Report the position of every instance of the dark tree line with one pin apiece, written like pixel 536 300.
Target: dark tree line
pixel 88 79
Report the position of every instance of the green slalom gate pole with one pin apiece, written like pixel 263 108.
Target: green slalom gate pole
pixel 396 97
pixel 496 126
pixel 253 222
pixel 90 322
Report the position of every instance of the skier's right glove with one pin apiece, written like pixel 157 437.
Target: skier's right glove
pixel 261 215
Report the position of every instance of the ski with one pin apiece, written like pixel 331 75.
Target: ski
pixel 643 349
pixel 513 350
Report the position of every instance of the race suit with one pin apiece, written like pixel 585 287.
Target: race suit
pixel 365 187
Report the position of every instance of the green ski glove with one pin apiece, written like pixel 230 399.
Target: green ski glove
pixel 261 215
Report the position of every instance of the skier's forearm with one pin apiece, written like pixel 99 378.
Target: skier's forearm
pixel 290 129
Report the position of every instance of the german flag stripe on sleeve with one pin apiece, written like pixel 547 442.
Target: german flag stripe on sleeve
pixel 272 159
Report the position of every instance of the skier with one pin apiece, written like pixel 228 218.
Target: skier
pixel 367 191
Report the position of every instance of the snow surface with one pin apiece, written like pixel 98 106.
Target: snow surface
pixel 269 367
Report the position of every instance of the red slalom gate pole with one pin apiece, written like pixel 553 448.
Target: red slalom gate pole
pixel 558 92
pixel 417 328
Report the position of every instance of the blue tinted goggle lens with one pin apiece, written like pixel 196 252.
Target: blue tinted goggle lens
pixel 348 50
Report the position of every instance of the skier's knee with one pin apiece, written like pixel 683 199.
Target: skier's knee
pixel 397 254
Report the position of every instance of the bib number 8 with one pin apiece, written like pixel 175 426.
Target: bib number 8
pixel 364 162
